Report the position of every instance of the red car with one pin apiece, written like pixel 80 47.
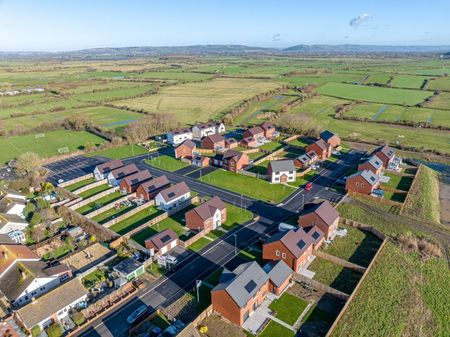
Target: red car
pixel 308 186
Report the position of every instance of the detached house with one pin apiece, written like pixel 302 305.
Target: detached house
pixel 12 202
pixel 294 247
pixel 13 226
pixel 206 129
pixel 364 182
pixel 179 136
pixel 185 150
pixel 162 243
pixel 248 141
pixel 200 161
pixel 208 216
pixel 149 189
pixel 101 171
pixel 231 143
pixel 281 171
pixel 373 164
pixel 320 148
pixel 387 156
pixel 255 132
pixel 115 176
pixel 173 196
pixel 231 161
pixel 330 138
pixel 269 130
pixel 322 215
pixel 130 183
pixel 213 142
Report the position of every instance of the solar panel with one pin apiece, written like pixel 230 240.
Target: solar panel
pixel 372 178
pixel 250 286
pixel 301 244
pixel 165 238
pixel 171 194
pixel 134 181
pixel 315 235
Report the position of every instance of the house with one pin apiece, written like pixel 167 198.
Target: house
pixel 255 132
pixel 294 247
pixel 208 216
pixel 330 138
pixel 386 155
pixel 179 136
pixel 206 129
pixel 373 164
pixel 320 148
pixel 303 161
pixel 248 141
pixel 129 269
pixel 364 182
pixel 200 161
pixel 281 171
pixel 101 171
pixel 173 196
pixel 162 243
pixel 185 150
pixel 280 276
pixel 269 130
pixel 234 161
pixel 231 143
pixel 13 226
pixel 323 215
pixel 317 236
pixel 149 189
pixel 12 202
pixel 130 183
pixel 53 306
pixel 115 176
pixel 213 142
pixel 240 292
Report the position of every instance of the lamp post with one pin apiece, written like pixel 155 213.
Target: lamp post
pixel 235 244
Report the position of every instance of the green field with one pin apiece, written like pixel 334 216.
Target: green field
pixel 378 78
pixel 166 163
pixel 120 152
pixel 441 101
pixel 408 81
pixel 322 79
pixel 440 83
pixel 46 146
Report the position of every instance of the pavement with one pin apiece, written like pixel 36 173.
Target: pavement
pixel 182 277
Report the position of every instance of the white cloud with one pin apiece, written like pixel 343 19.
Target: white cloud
pixel 276 37
pixel 360 19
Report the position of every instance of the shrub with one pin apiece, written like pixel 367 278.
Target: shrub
pixel 36 331
pixel 78 318
pixel 55 330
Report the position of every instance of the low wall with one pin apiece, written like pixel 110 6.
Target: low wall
pixel 191 240
pixel 291 138
pixel 95 212
pixel 204 150
pixel 249 149
pixel 320 286
pixel 88 187
pixel 128 214
pixel 364 227
pixel 78 179
pixel 340 262
pixel 97 196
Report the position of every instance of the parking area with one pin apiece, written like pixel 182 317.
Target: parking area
pixel 71 168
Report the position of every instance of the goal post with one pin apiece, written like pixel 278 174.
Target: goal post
pixel 63 150
pixel 39 135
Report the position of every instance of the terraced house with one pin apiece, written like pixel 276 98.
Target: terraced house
pixel 115 176
pixel 130 183
pixel 101 171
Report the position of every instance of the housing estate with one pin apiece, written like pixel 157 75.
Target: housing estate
pixel 206 129
pixel 173 196
pixel 149 189
pixel 208 216
pixel 281 171
pixel 305 160
pixel 101 171
pixel 388 157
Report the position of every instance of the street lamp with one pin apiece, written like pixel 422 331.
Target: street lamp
pixel 235 244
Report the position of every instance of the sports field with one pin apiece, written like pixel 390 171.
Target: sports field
pixel 120 152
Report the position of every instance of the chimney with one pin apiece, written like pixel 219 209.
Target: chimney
pixel 5 254
pixel 22 273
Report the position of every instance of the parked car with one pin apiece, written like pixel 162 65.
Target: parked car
pixel 308 186
pixel 137 314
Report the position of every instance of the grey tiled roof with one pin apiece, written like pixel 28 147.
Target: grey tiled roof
pixel 282 165
pixel 278 271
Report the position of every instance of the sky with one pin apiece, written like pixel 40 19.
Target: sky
pixel 60 25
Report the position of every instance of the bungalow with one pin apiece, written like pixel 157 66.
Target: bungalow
pixel 248 141
pixel 373 164
pixel 255 132
pixel 115 176
pixel 330 138
pixel 13 226
pixel 173 196
pixel 129 269
pixel 53 306
pixel 162 243
pixel 321 148
pixel 294 247
pixel 231 143
pixel 200 161
pixel 321 214
pixel 206 129
pixel 234 161
pixel 185 150
pixel 269 130
pixel 130 183
pixel 101 171
pixel 149 189
pixel 12 202
pixel 213 142
pixel 281 171
pixel 179 136
pixel 364 182
pixel 208 216
pixel 280 276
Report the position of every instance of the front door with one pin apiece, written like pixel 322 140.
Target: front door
pixel 283 178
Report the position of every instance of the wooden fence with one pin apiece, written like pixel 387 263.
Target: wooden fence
pixel 97 211
pixel 129 213
pixel 320 286
pixel 76 180
pixel 375 199
pixel 191 240
pixel 270 156
pixel 364 227
pixel 290 138
pixel 187 331
pixel 89 186
pixel 339 261
pixel 305 171
pixel 84 202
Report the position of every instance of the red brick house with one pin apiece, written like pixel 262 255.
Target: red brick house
pixel 331 138
pixel 322 215
pixel 163 242
pixel 280 276
pixel 321 148
pixel 234 161
pixel 269 129
pixel 130 183
pixel 149 189
pixel 213 142
pixel 231 143
pixel 294 247
pixel 364 182
pixel 248 141
pixel 317 236
pixel 255 132
pixel 386 154
pixel 185 150
pixel 200 161
pixel 373 164
pixel 208 216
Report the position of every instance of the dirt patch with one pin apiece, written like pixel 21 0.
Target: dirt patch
pixel 86 257
pixel 217 327
pixel 182 309
pixel 444 198
pixel 310 295
pixel 422 246
pixel 49 247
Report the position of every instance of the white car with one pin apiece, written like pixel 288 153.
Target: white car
pixel 138 313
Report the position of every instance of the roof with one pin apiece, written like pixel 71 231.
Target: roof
pixel 155 184
pixel 189 143
pixel 230 141
pixel 278 272
pixel 127 266
pixel 304 158
pixel 233 154
pixel 326 135
pixel 296 241
pixel 386 150
pixel 215 138
pixel 207 209
pixel 180 131
pixel 7 202
pixel 109 166
pixel 10 253
pixel 267 126
pixel 315 233
pixel 137 178
pixel 52 302
pixel 5 239
pixel 163 238
pixel 282 165
pixel 255 130
pixel 243 282
pixel 367 175
pixel 375 162
pixel 175 191
pixel 209 124
pixel 200 158
pixel 124 171
pixel 323 210
pixel 321 143
pixel 7 218
pixel 248 139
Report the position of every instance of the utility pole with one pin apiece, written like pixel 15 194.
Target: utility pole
pixel 235 244
pixel 198 283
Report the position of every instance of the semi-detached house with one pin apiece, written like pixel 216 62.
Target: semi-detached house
pixel 179 136
pixel 173 196
pixel 149 189
pixel 115 176
pixel 130 183
pixel 101 171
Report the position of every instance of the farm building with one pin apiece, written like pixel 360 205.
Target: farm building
pixel 208 216
pixel 186 149
pixel 115 176
pixel 130 183
pixel 321 214
pixel 281 171
pixel 178 136
pixel 162 242
pixel 101 171
pixel 364 182
pixel 173 196
pixel 331 138
pixel 149 189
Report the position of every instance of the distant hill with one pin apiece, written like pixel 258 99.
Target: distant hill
pixel 359 49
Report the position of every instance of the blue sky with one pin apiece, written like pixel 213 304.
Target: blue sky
pixel 51 25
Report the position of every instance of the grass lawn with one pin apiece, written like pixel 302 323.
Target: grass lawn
pixel 251 255
pixel 199 244
pixel 300 142
pixel 135 220
pixel 236 216
pixel 93 278
pixel 273 329
pixel 215 234
pixel 255 155
pixel 160 321
pixel 166 163
pixel 250 186
pixel 99 203
pixel 112 213
pixel 59 252
pixel 120 152
pixel 288 308
pixel 398 197
pixel 301 181
pixel 80 184
pixel 94 191
pixel 261 168
pixel 271 146
pixel 398 182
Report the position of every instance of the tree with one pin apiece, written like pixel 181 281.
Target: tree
pixel 35 219
pixel 27 162
pixel 47 187
pixel 42 203
pixel 47 215
pixel 29 209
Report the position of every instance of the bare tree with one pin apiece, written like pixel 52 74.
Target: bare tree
pixel 28 162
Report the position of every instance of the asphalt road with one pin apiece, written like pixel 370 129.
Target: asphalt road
pixel 182 278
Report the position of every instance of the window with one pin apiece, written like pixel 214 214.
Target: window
pixel 362 185
pixel 283 255
pixel 276 179
pixel 277 253
pixel 357 184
